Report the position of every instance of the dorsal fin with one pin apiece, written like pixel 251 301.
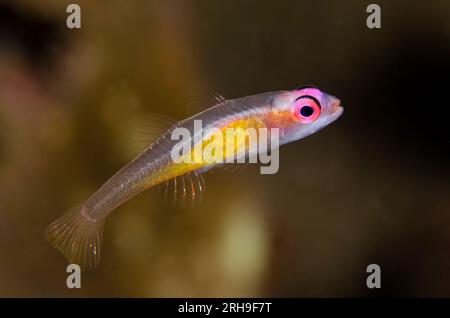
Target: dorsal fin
pixel 219 98
pixel 146 128
pixel 203 99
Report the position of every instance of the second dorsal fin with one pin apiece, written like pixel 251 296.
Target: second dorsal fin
pixel 146 128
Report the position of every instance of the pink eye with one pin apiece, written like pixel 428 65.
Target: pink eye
pixel 306 109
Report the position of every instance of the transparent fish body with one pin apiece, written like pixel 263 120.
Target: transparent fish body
pixel 78 233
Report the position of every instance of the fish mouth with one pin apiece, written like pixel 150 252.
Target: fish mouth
pixel 336 108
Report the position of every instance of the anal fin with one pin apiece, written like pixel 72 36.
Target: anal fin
pixel 183 191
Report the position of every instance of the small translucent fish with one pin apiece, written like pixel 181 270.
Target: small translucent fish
pixel 295 113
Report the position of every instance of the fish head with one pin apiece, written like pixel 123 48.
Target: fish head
pixel 302 112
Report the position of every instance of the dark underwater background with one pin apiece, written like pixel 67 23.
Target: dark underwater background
pixel 372 188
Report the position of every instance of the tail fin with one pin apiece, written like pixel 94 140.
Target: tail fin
pixel 77 237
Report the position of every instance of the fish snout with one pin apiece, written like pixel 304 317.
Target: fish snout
pixel 336 103
pixel 336 107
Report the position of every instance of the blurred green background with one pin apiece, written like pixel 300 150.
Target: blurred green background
pixel 371 188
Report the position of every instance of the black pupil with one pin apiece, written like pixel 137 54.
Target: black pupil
pixel 306 111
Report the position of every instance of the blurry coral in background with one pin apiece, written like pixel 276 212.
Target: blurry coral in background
pixel 357 193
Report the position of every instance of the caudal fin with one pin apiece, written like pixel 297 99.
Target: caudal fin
pixel 77 237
